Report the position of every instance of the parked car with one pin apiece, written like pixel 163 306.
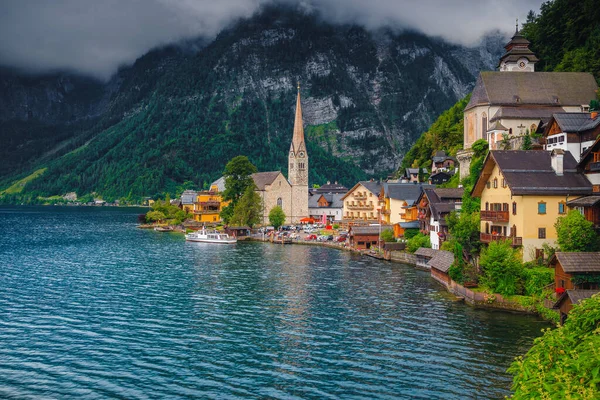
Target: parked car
pixel 330 238
pixel 322 238
pixel 341 238
pixel 311 237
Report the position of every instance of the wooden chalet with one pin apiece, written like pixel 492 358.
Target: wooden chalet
pixel 576 270
pixel 589 206
pixel 574 131
pixel 424 255
pixel 565 302
pixel 439 264
pixel 365 237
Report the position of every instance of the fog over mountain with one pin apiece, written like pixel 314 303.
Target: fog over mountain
pixel 95 37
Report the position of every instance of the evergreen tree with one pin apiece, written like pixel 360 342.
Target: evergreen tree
pixel 248 210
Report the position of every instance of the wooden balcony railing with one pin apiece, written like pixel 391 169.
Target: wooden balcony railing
pixel 494 216
pixel 488 237
pixel 357 207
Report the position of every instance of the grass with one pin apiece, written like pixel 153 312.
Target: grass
pixel 17 187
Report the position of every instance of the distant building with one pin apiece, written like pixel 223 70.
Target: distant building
pixel 361 203
pixel 575 132
pixel 188 198
pixel 365 237
pixel 412 175
pixel 515 99
pixel 396 201
pixel 331 188
pixel 329 204
pixel 589 206
pixel 443 163
pixel 439 178
pixel 523 193
pixel 434 204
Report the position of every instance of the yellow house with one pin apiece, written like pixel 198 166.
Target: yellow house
pixel 208 206
pixel 523 193
pixel 397 200
pixel 361 203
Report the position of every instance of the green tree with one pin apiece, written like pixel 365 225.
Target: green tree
pixel 238 177
pixel 417 241
pixel 501 268
pixel 527 144
pixel 387 235
pixel 276 217
pixel 155 216
pixel 575 233
pixel 248 210
pixel 564 362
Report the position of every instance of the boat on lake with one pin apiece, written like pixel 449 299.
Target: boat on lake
pixel 206 236
pixel 163 228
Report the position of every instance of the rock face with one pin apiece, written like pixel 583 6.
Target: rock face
pixel 367 96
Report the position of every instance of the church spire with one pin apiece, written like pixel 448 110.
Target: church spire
pixel 298 138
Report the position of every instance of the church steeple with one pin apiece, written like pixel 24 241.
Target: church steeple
pixel 298 138
pixel 518 56
pixel 298 158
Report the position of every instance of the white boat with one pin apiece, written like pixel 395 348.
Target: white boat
pixel 210 237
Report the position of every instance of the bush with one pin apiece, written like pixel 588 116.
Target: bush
pixel 417 241
pixel 564 362
pixel 387 235
pixel 575 233
pixel 501 268
pixel 535 279
pixel 410 233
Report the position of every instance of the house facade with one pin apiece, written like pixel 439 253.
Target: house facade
pixel 575 132
pixel 589 206
pixel 433 207
pixel 361 203
pixel 208 206
pixel 328 204
pixel 523 193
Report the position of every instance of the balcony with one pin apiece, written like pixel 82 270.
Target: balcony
pixel 386 212
pixel 359 196
pixel 203 212
pixel 359 207
pixel 488 237
pixel 595 166
pixel 494 216
pixel 210 203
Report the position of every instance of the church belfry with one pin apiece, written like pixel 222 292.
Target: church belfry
pixel 298 157
pixel 518 56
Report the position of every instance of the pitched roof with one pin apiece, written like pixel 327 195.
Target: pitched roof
pixel 577 262
pixel 497 126
pixel 404 191
pixel 368 230
pixel 442 260
pixel 441 156
pixel 533 88
pixel 539 113
pixel 372 186
pixel 332 188
pixel 588 153
pixel 334 200
pixel 262 179
pixel 425 252
pixel 576 296
pixel 220 184
pixel 585 201
pixel 449 193
pixel 530 172
pixel 575 122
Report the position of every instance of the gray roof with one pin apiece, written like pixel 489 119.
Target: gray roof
pixel 577 262
pixel 449 193
pixel 416 170
pixel 441 156
pixel 372 186
pixel 404 191
pixel 585 201
pixel 539 113
pixel 442 260
pixel 188 196
pixel 425 252
pixel 497 126
pixel 576 122
pixel 220 183
pixel 332 188
pixel 443 201
pixel 576 296
pixel 368 230
pixel 530 172
pixel 262 179
pixel 533 88
pixel 334 200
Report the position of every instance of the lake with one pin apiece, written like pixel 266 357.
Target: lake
pixel 91 307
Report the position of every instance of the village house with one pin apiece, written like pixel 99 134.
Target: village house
pixel 575 132
pixel 433 207
pixel 365 237
pixel 328 204
pixel 568 299
pixel 439 177
pixel 361 203
pixel 188 198
pixel 523 193
pixel 442 163
pixel 513 100
pixel 396 200
pixel 589 206
pixel 208 206
pixel 412 175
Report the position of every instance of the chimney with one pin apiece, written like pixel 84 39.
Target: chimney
pixel 557 157
pixel 593 114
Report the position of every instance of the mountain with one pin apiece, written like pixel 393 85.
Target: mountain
pixel 175 117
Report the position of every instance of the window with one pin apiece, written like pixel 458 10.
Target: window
pixel 532 128
pixel 562 206
pixel 542 207
pixel 597 157
pixel 487 227
pixel 488 184
pixel 541 233
pixel 514 208
pixel 487 206
pixel 495 183
pixel 503 182
pixel 505 207
pixel 279 202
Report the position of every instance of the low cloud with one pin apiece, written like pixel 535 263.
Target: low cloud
pixel 95 37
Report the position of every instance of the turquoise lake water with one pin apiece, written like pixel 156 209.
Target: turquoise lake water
pixel 91 307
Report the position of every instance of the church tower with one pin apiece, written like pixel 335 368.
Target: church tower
pixel 298 167
pixel 518 56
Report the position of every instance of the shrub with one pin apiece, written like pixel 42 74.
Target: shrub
pixel 387 235
pixel 535 279
pixel 575 233
pixel 417 241
pixel 501 268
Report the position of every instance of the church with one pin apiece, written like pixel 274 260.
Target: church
pixel 290 194
pixel 515 100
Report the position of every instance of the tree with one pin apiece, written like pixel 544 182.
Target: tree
pixel 387 235
pixel 238 177
pixel 248 210
pixel 563 363
pixel 501 268
pixel 276 217
pixel 417 241
pixel 575 233
pixel 527 144
pixel 155 216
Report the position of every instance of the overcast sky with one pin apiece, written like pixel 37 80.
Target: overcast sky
pixel 95 37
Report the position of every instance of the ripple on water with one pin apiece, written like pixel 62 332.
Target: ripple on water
pixel 91 307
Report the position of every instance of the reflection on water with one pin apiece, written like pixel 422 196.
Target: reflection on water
pixel 90 306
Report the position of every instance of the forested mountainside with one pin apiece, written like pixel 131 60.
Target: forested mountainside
pixel 175 117
pixel 565 36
